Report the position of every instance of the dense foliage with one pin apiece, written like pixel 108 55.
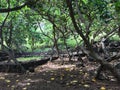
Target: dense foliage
pixel 41 22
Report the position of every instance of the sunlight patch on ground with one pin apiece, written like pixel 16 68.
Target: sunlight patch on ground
pixel 51 66
pixel 28 82
pixel 28 58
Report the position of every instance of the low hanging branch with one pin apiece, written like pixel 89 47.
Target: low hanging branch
pixel 29 3
pixel 12 9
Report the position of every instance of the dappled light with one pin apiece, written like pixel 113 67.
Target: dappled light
pixel 59 44
pixel 52 66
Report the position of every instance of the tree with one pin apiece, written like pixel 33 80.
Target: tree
pixel 86 18
pixel 104 64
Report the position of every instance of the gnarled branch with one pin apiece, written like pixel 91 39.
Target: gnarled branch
pixel 12 9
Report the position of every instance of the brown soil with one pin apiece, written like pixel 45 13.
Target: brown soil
pixel 53 76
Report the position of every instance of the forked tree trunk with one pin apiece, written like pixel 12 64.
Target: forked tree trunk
pixel 105 66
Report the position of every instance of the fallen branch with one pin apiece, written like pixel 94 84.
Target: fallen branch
pixel 28 66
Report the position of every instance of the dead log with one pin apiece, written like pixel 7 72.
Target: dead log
pixel 28 66
pixel 34 64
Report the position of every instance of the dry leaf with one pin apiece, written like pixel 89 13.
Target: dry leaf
pixel 61 78
pixel 102 88
pixel 94 80
pixel 67 84
pixel 67 69
pixel 17 80
pixel 86 85
pixel 28 79
pixel 2 78
pixel 28 84
pixel 7 80
pixel 81 70
pixel 8 85
pixel 52 79
pixel 12 86
pixel 25 88
pixel 74 81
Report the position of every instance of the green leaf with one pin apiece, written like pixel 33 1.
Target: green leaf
pixel 85 1
pixel 117 6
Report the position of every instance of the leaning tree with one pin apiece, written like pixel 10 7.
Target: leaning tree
pixel 87 14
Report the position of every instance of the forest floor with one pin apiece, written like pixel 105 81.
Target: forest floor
pixel 54 76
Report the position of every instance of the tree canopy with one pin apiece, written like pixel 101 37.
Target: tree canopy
pixel 29 25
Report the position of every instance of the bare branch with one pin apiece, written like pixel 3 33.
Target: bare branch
pixel 43 31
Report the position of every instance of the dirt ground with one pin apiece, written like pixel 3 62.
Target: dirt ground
pixel 53 76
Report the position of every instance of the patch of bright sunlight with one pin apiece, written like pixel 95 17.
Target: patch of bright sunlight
pixel 28 58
